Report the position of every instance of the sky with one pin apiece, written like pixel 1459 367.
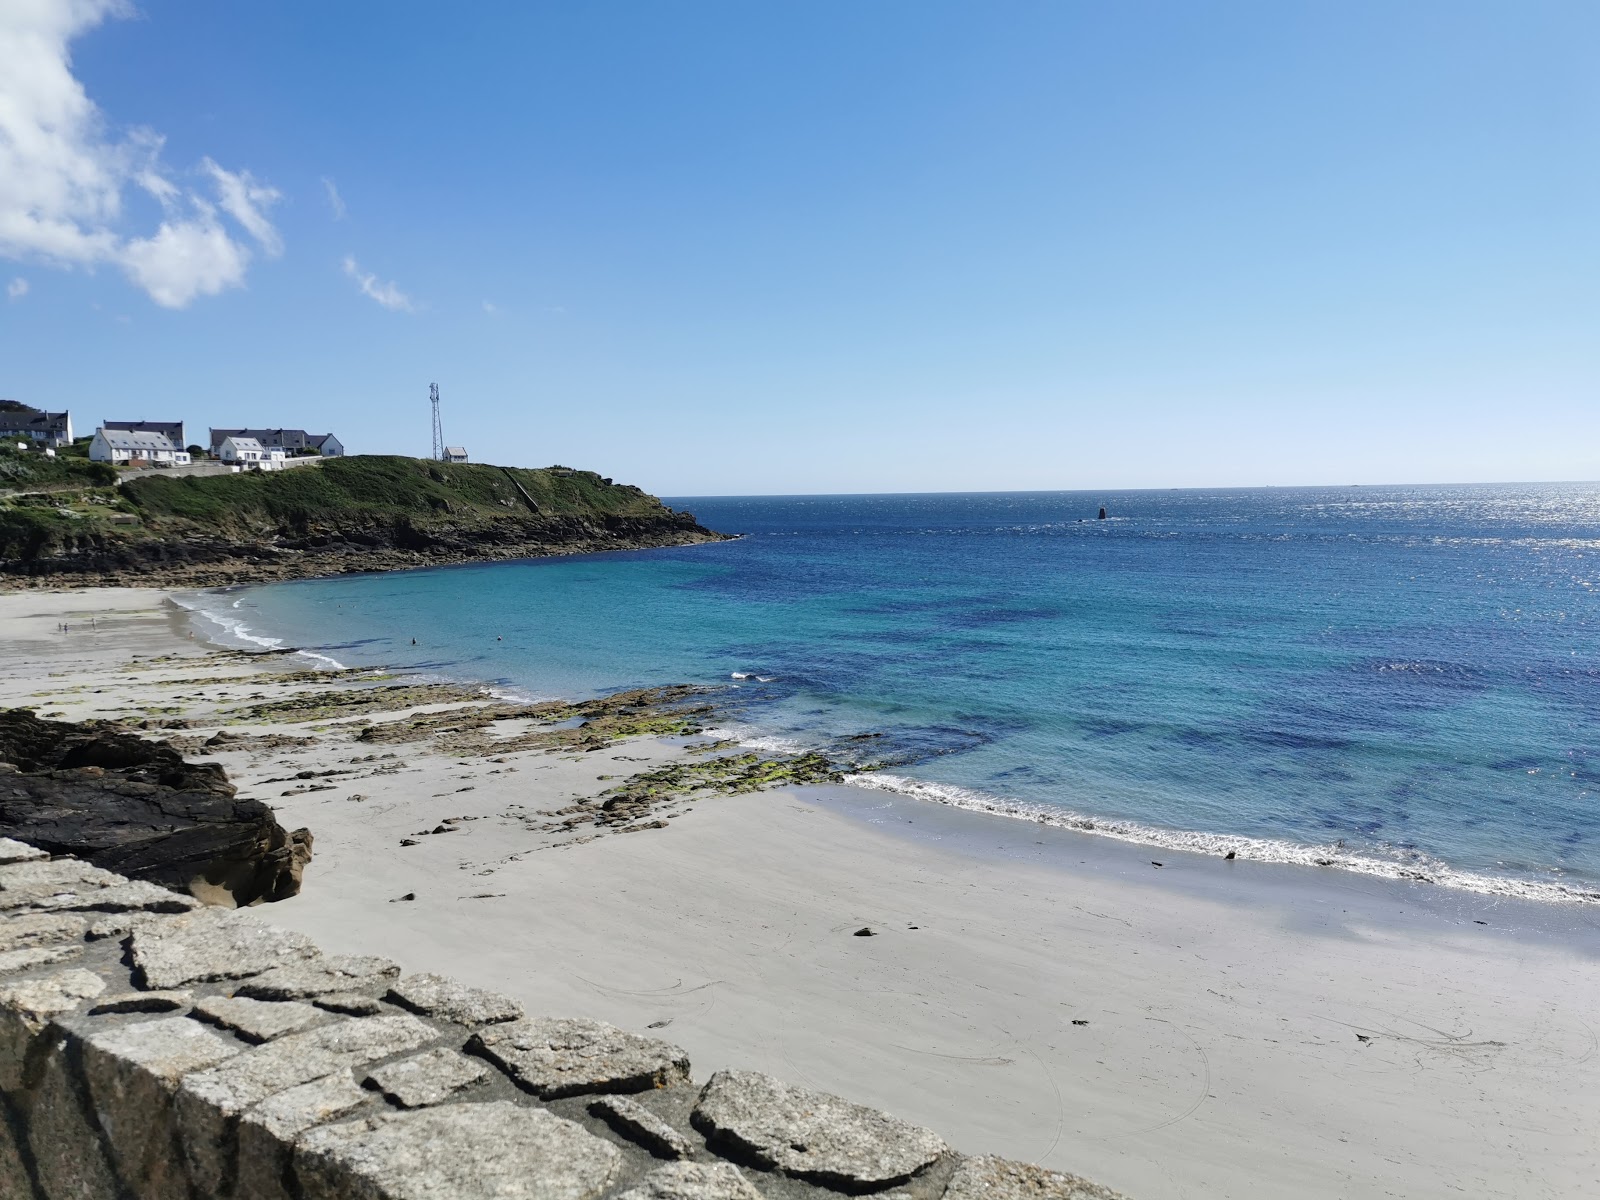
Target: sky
pixel 907 245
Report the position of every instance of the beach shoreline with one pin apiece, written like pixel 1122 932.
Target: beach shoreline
pixel 1223 1004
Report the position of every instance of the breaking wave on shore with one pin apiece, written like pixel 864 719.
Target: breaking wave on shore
pixel 1406 865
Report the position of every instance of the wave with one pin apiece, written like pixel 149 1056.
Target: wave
pixel 1410 866
pixel 233 626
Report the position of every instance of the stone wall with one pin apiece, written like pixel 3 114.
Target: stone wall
pixel 155 1049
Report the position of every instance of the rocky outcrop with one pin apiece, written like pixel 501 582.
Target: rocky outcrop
pixel 133 806
pixel 112 1087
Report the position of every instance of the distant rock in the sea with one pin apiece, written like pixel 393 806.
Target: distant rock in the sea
pixel 136 807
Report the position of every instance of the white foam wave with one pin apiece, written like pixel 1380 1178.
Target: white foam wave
pixel 758 741
pixel 1412 867
pixel 234 632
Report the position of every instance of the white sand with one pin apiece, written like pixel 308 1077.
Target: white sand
pixel 1223 1001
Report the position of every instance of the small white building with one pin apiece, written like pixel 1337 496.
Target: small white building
pixel 241 451
pixel 123 447
pixel 455 454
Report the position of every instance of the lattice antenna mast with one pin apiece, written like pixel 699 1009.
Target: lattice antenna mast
pixel 438 428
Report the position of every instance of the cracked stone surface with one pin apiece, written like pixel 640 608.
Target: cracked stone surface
pixel 633 1120
pixel 12 961
pixel 991 1178
pixel 571 1056
pixel 208 1102
pixel 13 851
pixel 257 1020
pixel 442 997
pixel 28 883
pixel 360 974
pixel 25 1009
pixel 131 1071
pixel 811 1135
pixel 267 1131
pixel 431 1077
pixel 693 1181
pixel 145 1002
pixel 212 943
pixel 41 929
pixel 495 1150
pixel 129 896
pixel 352 1004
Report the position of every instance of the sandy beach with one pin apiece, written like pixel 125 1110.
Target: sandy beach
pixel 1193 1029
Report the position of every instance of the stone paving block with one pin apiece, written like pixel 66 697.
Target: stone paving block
pixel 26 1008
pixel 442 997
pixel 257 1020
pixel 132 1071
pixel 990 1178
pixel 209 1102
pixel 267 1131
pixel 13 851
pixel 41 929
pixel 57 1122
pixel 811 1135
pixel 693 1181
pixel 141 1002
pixel 13 1174
pixel 352 1004
pixel 456 1152
pixel 361 974
pixel 28 883
pixel 633 1120
pixel 570 1056
pixel 12 961
pixel 431 1077
pixel 211 943
pixel 118 925
pixel 133 895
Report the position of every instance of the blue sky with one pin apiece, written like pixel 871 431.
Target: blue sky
pixel 899 245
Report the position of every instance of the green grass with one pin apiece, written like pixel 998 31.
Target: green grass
pixel 29 470
pixel 374 489
pixel 332 500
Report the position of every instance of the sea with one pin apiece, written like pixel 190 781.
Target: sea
pixel 1401 681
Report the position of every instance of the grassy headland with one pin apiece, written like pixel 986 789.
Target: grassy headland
pixel 70 521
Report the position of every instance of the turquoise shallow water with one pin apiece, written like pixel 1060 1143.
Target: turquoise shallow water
pixel 1398 680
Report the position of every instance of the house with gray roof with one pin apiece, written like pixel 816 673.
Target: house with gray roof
pixel 131 447
pixel 20 422
pixel 172 430
pixel 290 441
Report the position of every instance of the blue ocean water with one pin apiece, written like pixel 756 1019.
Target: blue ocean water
pixel 1400 680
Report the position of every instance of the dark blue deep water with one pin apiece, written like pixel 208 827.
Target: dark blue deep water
pixel 1397 679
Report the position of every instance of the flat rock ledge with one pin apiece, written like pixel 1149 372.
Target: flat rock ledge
pixel 173 1055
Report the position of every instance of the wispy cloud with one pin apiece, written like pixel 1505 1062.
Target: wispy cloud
pixel 491 308
pixel 64 173
pixel 17 288
pixel 387 294
pixel 335 201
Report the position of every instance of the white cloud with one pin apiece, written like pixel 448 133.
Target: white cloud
pixel 17 288
pixel 64 172
pixel 387 294
pixel 335 201
pixel 490 308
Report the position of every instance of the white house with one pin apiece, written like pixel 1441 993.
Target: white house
pixel 122 446
pixel 457 454
pixel 243 451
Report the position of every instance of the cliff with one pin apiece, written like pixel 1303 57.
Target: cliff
pixel 334 516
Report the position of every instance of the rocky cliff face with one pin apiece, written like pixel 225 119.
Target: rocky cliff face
pixel 137 808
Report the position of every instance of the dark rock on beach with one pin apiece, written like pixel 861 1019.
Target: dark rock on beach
pixel 136 807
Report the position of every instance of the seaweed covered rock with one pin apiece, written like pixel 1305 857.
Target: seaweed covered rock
pixel 136 807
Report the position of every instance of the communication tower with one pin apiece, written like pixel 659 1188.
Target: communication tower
pixel 438 429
